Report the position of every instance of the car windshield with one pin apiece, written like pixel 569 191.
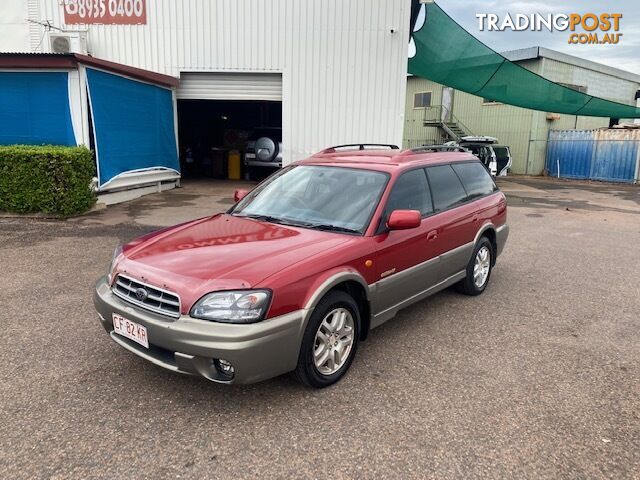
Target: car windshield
pixel 319 197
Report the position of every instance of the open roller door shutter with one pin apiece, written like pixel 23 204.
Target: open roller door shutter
pixel 133 124
pixel 230 86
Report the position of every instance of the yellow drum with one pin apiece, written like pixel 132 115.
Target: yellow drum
pixel 234 165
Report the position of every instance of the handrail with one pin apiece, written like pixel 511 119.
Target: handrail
pixel 459 122
pixel 433 114
pixel 436 109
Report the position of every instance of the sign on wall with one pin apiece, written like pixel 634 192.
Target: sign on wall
pixel 105 12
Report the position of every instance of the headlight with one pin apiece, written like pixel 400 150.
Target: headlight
pixel 240 306
pixel 117 252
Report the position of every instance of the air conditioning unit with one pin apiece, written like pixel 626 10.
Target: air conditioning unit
pixel 68 42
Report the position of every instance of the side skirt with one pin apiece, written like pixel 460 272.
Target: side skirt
pixel 381 317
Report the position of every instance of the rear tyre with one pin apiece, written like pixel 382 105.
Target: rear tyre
pixel 478 269
pixel 330 341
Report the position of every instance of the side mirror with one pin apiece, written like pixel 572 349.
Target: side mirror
pixel 239 195
pixel 404 219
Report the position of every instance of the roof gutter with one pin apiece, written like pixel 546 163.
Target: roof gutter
pixel 72 60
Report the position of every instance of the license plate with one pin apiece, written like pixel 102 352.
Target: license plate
pixel 131 330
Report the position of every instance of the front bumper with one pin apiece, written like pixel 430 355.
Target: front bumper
pixel 257 351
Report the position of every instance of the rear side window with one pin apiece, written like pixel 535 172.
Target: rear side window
pixel 475 179
pixel 445 186
pixel 410 192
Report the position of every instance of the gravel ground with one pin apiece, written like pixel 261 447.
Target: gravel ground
pixel 537 378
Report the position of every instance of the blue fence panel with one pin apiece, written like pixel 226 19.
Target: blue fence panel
pixel 607 154
pixel 571 151
pixel 616 155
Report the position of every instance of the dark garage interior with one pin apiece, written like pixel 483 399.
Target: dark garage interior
pixel 212 133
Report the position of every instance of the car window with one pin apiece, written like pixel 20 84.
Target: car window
pixel 445 186
pixel 410 192
pixel 475 179
pixel 315 196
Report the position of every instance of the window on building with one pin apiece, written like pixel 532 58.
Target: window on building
pixel 475 178
pixel 488 101
pixel 446 187
pixel 410 192
pixel 422 100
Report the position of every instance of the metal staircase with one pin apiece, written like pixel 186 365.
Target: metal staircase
pixel 446 121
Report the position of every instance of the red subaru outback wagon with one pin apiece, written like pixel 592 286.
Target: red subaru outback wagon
pixel 301 268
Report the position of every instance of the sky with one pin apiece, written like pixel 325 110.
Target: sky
pixel 625 55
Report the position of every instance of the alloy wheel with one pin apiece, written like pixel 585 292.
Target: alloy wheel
pixel 333 341
pixel 481 267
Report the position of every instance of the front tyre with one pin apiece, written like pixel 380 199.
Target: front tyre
pixel 330 341
pixel 478 269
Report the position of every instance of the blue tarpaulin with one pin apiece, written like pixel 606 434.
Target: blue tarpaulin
pixel 133 124
pixel 34 108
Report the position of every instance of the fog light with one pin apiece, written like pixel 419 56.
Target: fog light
pixel 225 367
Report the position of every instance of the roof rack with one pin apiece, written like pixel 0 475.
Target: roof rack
pixel 360 146
pixel 438 148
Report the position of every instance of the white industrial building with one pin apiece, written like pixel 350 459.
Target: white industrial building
pixel 325 72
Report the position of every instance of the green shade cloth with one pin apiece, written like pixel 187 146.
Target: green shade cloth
pixel 446 53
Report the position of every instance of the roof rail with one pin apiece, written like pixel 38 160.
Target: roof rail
pixel 438 148
pixel 360 146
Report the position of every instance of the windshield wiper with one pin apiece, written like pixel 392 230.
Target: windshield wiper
pixel 294 223
pixel 330 228
pixel 255 216
pixel 270 219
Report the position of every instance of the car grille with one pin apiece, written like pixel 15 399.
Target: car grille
pixel 156 300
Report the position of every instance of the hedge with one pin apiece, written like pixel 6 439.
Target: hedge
pixel 49 179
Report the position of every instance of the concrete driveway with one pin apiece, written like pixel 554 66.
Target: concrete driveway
pixel 537 378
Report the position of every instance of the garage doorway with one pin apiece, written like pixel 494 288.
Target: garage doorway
pixel 223 117
pixel 210 131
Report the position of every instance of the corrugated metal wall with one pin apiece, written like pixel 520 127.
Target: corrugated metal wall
pixel 525 131
pixel 616 155
pixel 574 75
pixel 607 154
pixel 343 71
pixel 511 125
pixel 415 133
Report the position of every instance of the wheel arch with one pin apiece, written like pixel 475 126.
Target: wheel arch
pixel 351 282
pixel 488 230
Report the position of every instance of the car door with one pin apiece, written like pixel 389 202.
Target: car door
pixel 406 260
pixel 503 159
pixel 454 220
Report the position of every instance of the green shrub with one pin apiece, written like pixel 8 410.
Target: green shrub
pixel 46 179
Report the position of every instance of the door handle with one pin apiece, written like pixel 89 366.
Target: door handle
pixel 432 235
pixel 475 218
